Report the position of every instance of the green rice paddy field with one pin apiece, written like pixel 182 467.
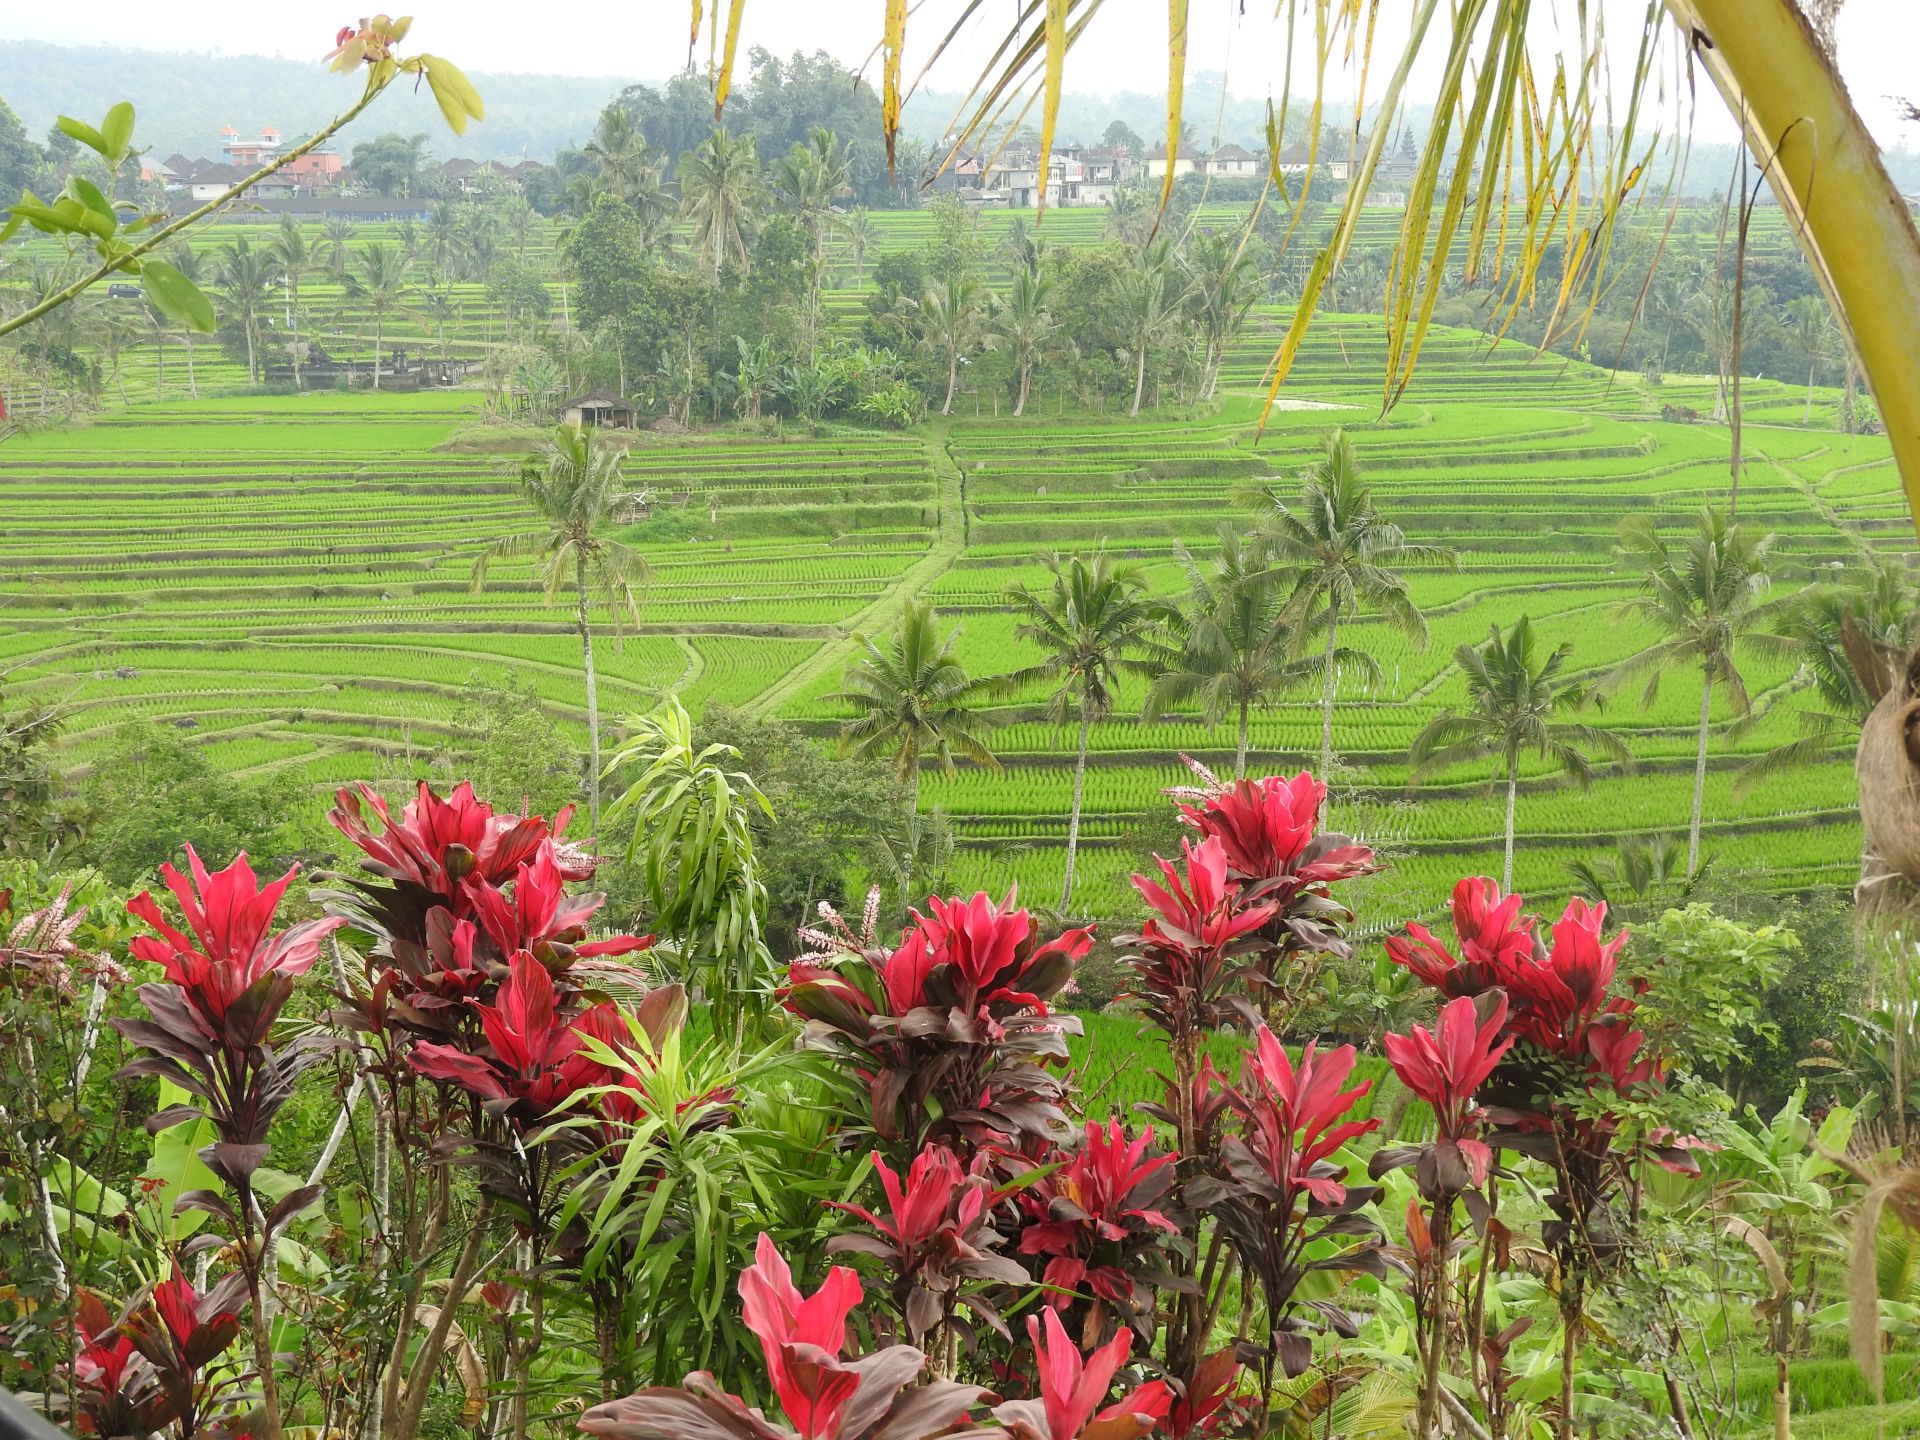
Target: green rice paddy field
pixel 285 577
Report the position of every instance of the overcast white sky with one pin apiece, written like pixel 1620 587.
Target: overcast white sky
pixel 1123 48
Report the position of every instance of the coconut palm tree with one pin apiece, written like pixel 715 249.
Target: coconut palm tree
pixel 951 326
pixel 719 187
pixel 1639 869
pixel 1848 639
pixel 574 484
pixel 383 284
pixel 443 238
pixel 1704 593
pixel 336 233
pixel 246 277
pixel 620 152
pixel 1146 305
pixel 1810 323
pixel 1341 557
pixel 1093 623
pixel 1222 285
pixel 914 700
pixel 297 257
pixel 1230 645
pixel 1025 327
pixel 1514 695
pixel 857 229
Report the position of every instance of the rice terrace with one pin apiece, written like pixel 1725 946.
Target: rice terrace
pixel 811 750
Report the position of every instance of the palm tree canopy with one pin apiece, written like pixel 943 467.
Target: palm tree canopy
pixel 1704 592
pixel 1229 644
pixel 1092 623
pixel 574 483
pixel 1339 553
pixel 1515 692
pixel 914 698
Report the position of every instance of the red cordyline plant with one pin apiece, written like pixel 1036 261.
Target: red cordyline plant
pixel 949 1035
pixel 154 1365
pixel 228 976
pixel 1270 832
pixel 1280 1190
pixel 1073 1389
pixel 1576 1048
pixel 1234 931
pixel 820 1395
pixel 1092 1217
pixel 477 978
pixel 935 1237
pixel 1444 1066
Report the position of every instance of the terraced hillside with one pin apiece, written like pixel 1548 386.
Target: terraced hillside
pixel 286 577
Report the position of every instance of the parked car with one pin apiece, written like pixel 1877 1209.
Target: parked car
pixel 123 292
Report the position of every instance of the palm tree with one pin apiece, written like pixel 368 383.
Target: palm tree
pixel 857 229
pixel 336 233
pixel 1848 640
pixel 1341 556
pixel 808 179
pixel 719 185
pixel 1146 304
pixel 621 154
pixel 521 222
pixel 1639 868
pixel 1231 644
pixel 246 275
pixel 383 283
pixel 296 257
pixel 479 241
pixel 915 700
pixel 443 238
pixel 950 326
pixel 1704 593
pixel 1514 694
pixel 574 484
pixel 1026 326
pixel 1093 622
pixel 1222 284
pixel 1810 323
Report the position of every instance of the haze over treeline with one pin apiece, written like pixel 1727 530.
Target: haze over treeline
pixel 184 98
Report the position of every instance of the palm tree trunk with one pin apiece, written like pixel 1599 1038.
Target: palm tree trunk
pixel 1240 757
pixel 953 379
pixel 1079 792
pixel 1806 415
pixel 379 329
pixel 1326 692
pixel 1513 783
pixel 193 385
pixel 1139 379
pixel 1026 383
pixel 253 374
pixel 593 703
pixel 293 339
pixel 1699 777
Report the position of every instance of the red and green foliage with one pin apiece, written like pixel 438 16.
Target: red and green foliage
pixel 949 1036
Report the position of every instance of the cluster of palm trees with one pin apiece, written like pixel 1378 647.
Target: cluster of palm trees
pixel 1260 619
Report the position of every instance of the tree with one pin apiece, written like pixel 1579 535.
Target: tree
pixel 297 257
pixel 506 744
pixel 857 229
pixel 807 180
pixel 383 286
pixel 1026 327
pixel 1222 285
pixel 1514 694
pixel 1121 136
pixel 1145 306
pixel 1810 322
pixel 154 790
pixel 390 164
pixel 336 240
pixel 20 159
pixel 914 700
pixel 575 485
pixel 1094 622
pixel 1847 639
pixel 719 187
pixel 1341 556
pixel 951 326
pixel 1230 646
pixel 246 277
pixel 1704 594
